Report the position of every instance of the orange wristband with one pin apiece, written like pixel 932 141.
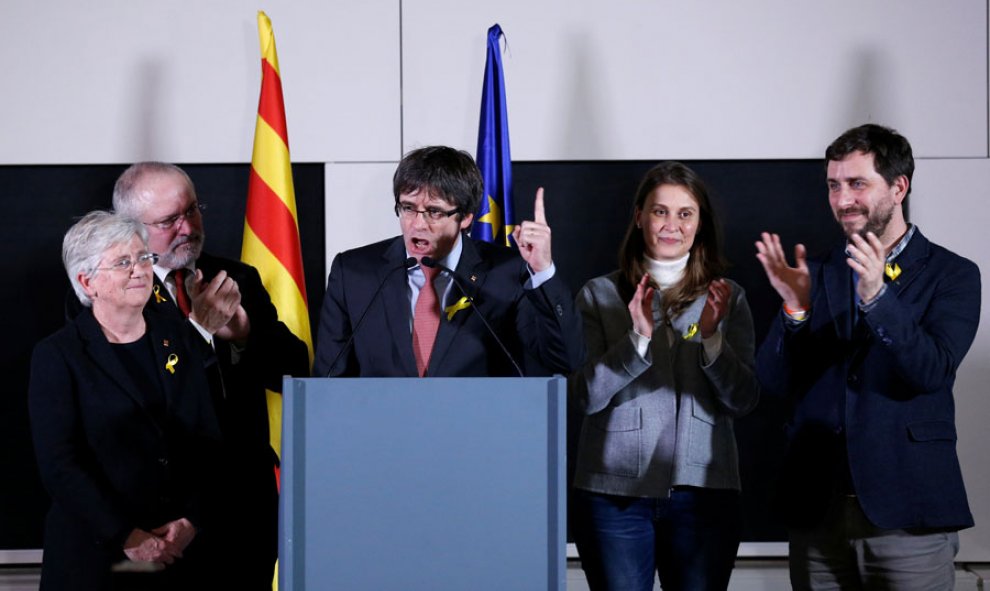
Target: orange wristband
pixel 798 314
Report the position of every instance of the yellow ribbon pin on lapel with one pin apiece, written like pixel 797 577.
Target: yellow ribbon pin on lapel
pixel 173 359
pixel 892 270
pixel 691 331
pixel 159 298
pixel 456 307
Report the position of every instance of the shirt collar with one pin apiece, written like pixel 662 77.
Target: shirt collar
pixel 902 243
pixel 900 246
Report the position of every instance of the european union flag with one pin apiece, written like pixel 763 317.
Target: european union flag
pixel 494 221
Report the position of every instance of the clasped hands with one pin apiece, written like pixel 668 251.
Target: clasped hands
pixel 162 545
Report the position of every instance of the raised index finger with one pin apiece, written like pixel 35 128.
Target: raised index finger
pixel 538 214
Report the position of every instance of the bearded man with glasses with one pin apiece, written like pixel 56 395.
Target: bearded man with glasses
pixel 226 303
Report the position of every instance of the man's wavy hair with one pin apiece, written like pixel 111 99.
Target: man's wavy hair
pixel 451 174
pixel 892 156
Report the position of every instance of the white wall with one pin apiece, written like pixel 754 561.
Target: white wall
pixel 116 80
pixel 949 204
pixel 718 79
pixel 121 80
pixel 365 80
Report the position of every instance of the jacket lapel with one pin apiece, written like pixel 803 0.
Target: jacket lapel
pixel 474 271
pixel 170 362
pixel 912 262
pixel 469 267
pixel 837 283
pixel 98 348
pixel 685 326
pixel 395 294
pixel 161 300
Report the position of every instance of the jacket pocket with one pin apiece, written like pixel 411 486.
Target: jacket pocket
pixel 707 445
pixel 932 431
pixel 702 408
pixel 612 440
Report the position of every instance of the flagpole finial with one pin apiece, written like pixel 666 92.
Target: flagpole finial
pixel 264 22
pixel 266 38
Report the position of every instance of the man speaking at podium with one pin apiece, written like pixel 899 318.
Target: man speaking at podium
pixel 437 303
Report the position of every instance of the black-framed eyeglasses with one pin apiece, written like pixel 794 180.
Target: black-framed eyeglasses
pixel 171 221
pixel 127 263
pixel 430 214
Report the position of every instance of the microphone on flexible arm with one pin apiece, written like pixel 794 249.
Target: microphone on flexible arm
pixel 407 264
pixel 459 282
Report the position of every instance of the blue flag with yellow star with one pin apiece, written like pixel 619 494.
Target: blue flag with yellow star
pixel 494 221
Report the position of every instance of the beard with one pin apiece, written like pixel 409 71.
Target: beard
pixel 182 251
pixel 876 220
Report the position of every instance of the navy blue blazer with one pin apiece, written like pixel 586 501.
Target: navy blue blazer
pixel 250 507
pixel 871 393
pixel 539 326
pixel 272 351
pixel 109 463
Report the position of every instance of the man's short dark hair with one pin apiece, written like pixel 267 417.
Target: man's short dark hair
pixel 450 174
pixel 891 151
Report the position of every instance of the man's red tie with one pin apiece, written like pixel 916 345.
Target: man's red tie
pixel 426 321
pixel 181 297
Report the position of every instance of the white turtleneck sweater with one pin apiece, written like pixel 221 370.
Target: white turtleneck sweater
pixel 666 274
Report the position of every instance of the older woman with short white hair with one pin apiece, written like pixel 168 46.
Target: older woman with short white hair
pixel 123 425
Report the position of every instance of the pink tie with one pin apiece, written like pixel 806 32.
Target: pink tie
pixel 426 321
pixel 181 297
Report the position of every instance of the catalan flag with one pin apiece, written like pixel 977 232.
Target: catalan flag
pixel 494 221
pixel 271 228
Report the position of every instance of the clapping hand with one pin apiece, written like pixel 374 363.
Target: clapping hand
pixel 641 307
pixel 716 305
pixel 793 284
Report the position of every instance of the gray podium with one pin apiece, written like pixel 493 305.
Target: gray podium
pixel 429 484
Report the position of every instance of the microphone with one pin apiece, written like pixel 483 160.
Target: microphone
pixel 459 282
pixel 407 264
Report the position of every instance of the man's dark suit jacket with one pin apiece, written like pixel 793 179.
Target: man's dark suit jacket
pixel 251 500
pixel 539 326
pixel 884 384
pixel 108 462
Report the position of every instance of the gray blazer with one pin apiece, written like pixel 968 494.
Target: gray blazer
pixel 664 420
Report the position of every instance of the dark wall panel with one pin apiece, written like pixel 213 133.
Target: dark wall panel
pixel 588 207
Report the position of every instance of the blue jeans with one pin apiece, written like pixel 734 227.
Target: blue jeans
pixel 689 538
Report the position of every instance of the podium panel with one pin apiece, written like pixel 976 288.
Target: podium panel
pixel 433 484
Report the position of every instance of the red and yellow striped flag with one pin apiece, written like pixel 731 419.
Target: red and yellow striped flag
pixel 271 228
